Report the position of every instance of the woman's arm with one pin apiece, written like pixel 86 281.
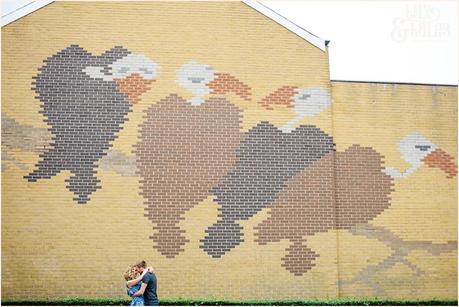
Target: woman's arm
pixel 135 281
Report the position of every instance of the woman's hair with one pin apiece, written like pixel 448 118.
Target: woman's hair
pixel 130 273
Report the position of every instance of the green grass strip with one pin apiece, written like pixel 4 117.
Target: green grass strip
pixel 206 302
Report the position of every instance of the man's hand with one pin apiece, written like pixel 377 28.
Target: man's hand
pixel 141 290
pixel 150 269
pixel 144 272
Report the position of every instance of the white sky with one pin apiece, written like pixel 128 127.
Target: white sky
pixel 395 41
pixel 10 5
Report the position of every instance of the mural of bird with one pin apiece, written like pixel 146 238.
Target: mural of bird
pixel 339 191
pixel 85 100
pixel 185 148
pixel 266 159
pixel 418 150
pixel 202 79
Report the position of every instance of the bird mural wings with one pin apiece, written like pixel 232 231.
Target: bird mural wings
pixel 85 100
pixel 185 148
pixel 340 191
pixel 266 159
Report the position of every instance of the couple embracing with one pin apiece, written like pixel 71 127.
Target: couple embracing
pixel 141 285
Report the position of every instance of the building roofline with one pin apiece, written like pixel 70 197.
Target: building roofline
pixel 24 10
pixel 396 83
pixel 306 35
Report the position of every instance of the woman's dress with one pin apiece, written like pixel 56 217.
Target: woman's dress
pixel 136 300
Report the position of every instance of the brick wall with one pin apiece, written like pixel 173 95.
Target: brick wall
pixel 410 249
pixel 204 137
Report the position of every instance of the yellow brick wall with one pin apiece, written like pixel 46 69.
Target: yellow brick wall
pixel 83 250
pixel 71 249
pixel 410 249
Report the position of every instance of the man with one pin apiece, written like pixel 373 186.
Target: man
pixel 148 288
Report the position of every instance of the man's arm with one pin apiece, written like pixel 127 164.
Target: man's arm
pixel 141 290
pixel 135 281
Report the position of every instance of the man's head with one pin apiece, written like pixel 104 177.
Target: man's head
pixel 141 266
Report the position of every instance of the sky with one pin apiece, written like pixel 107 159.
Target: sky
pixel 396 41
pixel 10 5
pixel 388 41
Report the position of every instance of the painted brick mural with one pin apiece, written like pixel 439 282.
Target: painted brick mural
pixel 181 155
pixel 267 158
pixel 85 100
pixel 226 159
